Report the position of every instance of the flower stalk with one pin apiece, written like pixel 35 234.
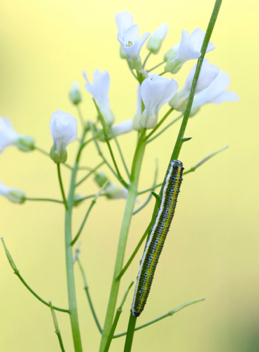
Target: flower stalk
pixel 128 213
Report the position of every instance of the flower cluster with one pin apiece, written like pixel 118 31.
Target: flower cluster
pixel 153 92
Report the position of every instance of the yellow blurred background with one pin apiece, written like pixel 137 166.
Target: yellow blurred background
pixel 212 248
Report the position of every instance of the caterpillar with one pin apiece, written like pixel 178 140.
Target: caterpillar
pixel 157 236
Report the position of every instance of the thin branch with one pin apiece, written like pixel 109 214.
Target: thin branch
pixel 80 115
pixel 169 314
pixel 150 189
pixel 145 61
pixel 161 63
pixel 141 240
pixel 192 169
pixel 116 319
pixel 88 212
pixel 121 154
pixel 159 123
pixel 125 184
pixel 61 186
pixel 180 139
pixel 86 288
pixel 89 174
pixel 100 152
pixel 45 200
pixel 16 271
pixel 150 195
pixel 57 331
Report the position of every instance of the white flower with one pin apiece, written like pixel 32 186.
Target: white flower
pixel 74 94
pixel 99 90
pixel 13 194
pixel 215 93
pixel 207 74
pixel 63 129
pixel 188 49
pixel 8 136
pixel 123 127
pixel 128 36
pixel 124 21
pixel 155 41
pixel 155 91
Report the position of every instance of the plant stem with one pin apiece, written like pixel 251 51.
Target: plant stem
pixel 80 115
pixel 61 186
pixel 88 212
pixel 116 319
pixel 180 139
pixel 109 146
pixel 135 172
pixel 45 200
pixel 57 331
pixel 16 271
pixel 160 123
pixel 150 195
pixel 69 256
pixel 192 169
pixel 145 61
pixel 130 333
pixel 161 63
pixel 89 174
pixel 169 314
pixel 86 288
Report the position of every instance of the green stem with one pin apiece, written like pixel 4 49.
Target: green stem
pixel 160 123
pixel 45 200
pixel 150 189
pixel 80 115
pixel 116 319
pixel 192 169
pixel 161 63
pixel 130 333
pixel 88 212
pixel 145 61
pixel 100 152
pixel 16 271
pixel 162 73
pixel 180 140
pixel 165 128
pixel 105 132
pixel 134 253
pixel 121 154
pixel 169 314
pixel 147 232
pixel 57 331
pixel 86 288
pixel 135 173
pixel 61 186
pixel 69 255
pixel 89 174
pixel 150 195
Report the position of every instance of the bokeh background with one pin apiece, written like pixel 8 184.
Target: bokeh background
pixel 212 248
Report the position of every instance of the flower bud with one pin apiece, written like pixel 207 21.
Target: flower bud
pixel 114 192
pixel 63 129
pixel 100 178
pixel 8 136
pixel 155 41
pixel 13 194
pixel 74 94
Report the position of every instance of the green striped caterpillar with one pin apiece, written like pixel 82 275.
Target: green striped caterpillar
pixel 157 236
